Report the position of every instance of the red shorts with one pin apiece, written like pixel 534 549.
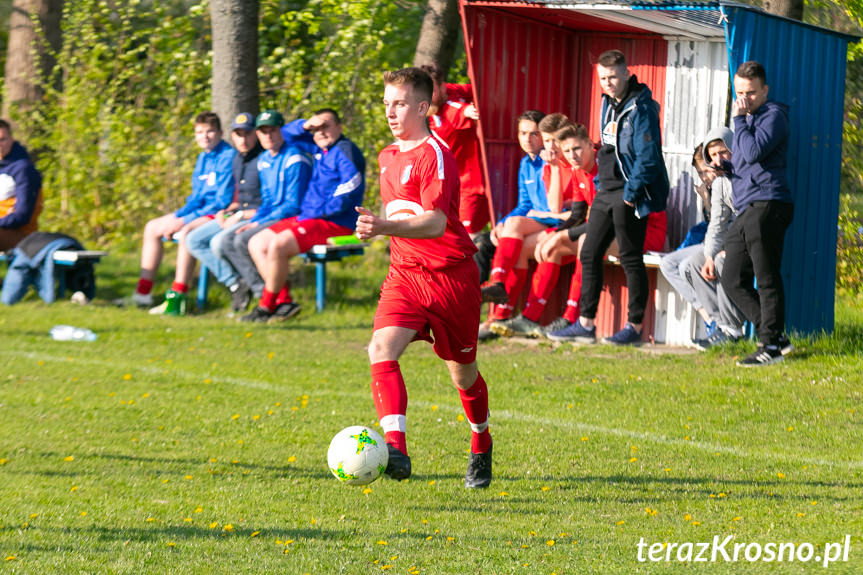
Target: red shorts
pixel 473 210
pixel 442 306
pixel 310 232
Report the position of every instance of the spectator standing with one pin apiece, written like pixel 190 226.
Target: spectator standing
pixel 764 207
pixel 432 288
pixel 20 190
pixel 631 183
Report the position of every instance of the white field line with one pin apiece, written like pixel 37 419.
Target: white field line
pixel 520 418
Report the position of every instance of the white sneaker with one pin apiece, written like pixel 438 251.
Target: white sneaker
pixel 159 309
pixel 142 299
pixel 136 300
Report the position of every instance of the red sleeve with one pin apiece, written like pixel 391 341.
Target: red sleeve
pixel 459 92
pixel 454 114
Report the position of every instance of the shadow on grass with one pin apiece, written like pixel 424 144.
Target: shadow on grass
pixel 185 532
pixel 176 466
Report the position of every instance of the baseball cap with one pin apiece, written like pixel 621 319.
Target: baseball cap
pixel 243 121
pixel 270 118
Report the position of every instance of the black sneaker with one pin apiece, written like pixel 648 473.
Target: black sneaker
pixel 241 296
pixel 478 474
pixel 399 464
pixel 258 315
pixel 495 292
pixel 764 355
pixel 785 345
pixel 285 311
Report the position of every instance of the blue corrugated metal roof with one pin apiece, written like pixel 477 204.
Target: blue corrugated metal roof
pixel 679 8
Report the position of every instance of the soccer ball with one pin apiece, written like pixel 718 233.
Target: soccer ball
pixel 357 455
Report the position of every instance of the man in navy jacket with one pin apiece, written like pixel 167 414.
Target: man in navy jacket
pixel 762 199
pixel 631 183
pixel 20 190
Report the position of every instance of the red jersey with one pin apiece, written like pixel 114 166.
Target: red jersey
pixel 566 185
pixel 582 185
pixel 413 182
pixel 459 133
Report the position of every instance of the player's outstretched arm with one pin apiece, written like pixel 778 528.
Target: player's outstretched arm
pixel 430 224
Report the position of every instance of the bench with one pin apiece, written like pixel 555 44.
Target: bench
pixel 669 319
pixel 319 255
pixel 68 259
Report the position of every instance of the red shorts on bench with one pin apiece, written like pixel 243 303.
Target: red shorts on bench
pixel 310 232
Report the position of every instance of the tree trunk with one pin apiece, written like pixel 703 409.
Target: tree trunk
pixel 29 57
pixel 438 35
pixel 235 58
pixel 788 8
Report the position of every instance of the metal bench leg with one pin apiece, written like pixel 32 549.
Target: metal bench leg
pixel 203 287
pixel 320 285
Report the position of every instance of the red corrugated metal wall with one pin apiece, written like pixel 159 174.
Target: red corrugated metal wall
pixel 520 63
pixel 528 57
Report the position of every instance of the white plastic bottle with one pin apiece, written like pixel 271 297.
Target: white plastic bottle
pixel 72 333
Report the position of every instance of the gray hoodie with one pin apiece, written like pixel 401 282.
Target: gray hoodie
pixel 721 210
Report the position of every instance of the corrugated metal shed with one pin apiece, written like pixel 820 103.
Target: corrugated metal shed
pixel 696 98
pixel 806 70
pixel 540 54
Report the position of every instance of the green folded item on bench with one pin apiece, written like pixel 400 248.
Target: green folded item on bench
pixel 343 240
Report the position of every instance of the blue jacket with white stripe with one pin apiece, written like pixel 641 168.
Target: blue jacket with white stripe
pixel 338 181
pixel 284 181
pixel 212 183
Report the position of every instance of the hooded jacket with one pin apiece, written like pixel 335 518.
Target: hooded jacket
pixel 760 156
pixel 638 147
pixel 18 173
pixel 721 210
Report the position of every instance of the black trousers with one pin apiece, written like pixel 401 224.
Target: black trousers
pixel 610 218
pixel 484 256
pixel 753 251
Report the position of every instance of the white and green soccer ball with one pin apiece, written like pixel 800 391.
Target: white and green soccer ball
pixel 357 455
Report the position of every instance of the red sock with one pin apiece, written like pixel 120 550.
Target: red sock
pixel 544 279
pixel 144 286
pixel 391 402
pixel 505 258
pixel 514 285
pixel 180 288
pixel 571 313
pixel 284 294
pixel 475 403
pixel 268 300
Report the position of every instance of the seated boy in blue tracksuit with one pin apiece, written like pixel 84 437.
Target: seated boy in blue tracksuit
pixel 337 186
pixel 212 190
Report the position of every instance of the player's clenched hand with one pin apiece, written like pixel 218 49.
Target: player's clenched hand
pixel 368 224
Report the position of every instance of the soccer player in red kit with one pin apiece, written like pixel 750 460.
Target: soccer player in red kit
pixel 432 289
pixel 453 118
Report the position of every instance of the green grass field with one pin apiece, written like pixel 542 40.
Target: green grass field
pixel 198 445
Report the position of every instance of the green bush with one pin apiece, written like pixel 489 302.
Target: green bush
pixel 849 250
pixel 114 143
